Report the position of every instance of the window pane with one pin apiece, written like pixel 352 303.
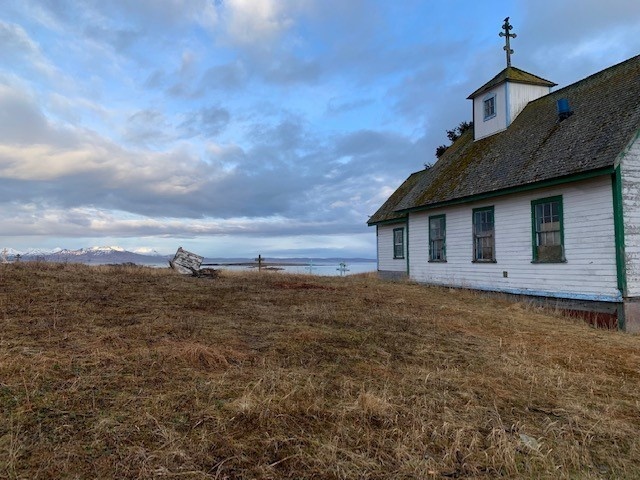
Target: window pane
pixel 489 107
pixel 483 233
pixel 398 243
pixel 436 238
pixel 548 223
pixel 436 248
pixel 548 234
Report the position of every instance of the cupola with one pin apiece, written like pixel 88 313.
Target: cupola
pixel 499 101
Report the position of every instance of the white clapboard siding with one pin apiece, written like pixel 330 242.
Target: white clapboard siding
pixel 520 94
pixel 497 123
pixel 511 98
pixel 589 272
pixel 630 171
pixel 386 262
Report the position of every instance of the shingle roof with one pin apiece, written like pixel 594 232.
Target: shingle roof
pixel 535 147
pixel 515 75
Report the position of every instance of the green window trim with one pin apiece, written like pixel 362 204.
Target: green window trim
pixel 437 238
pixel 484 239
pixel 407 248
pixel 398 243
pixel 545 251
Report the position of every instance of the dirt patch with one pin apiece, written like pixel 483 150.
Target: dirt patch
pixel 302 286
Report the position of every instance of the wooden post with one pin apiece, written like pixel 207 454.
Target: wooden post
pixel 259 260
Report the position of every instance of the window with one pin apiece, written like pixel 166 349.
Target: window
pixel 398 243
pixel 483 235
pixel 490 107
pixel 437 247
pixel 548 233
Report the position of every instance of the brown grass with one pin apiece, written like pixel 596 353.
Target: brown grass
pixel 120 372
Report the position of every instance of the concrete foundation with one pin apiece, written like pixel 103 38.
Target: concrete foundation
pixel 623 316
pixel 390 275
pixel 608 315
pixel 630 321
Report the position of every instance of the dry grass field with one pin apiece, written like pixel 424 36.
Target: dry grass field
pixel 125 372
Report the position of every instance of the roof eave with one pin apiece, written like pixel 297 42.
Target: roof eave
pixel 497 81
pixel 402 219
pixel 575 177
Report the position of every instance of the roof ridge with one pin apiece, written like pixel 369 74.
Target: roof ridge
pixel 506 75
pixel 532 74
pixel 599 73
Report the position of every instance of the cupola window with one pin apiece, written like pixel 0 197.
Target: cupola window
pixel 490 107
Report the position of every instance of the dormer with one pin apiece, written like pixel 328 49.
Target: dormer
pixel 499 101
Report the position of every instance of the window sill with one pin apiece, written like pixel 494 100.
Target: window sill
pixel 437 261
pixel 549 261
pixel 484 261
pixel 489 117
pixel 398 258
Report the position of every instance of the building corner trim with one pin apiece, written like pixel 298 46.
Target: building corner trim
pixel 618 223
pixel 408 247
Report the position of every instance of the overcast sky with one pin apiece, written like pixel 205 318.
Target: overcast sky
pixel 238 127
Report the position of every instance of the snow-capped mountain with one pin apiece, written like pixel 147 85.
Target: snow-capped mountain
pixel 34 252
pixel 104 250
pixel 92 255
pixel 11 252
pixel 92 251
pixel 30 252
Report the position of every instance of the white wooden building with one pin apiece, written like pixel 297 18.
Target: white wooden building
pixel 540 198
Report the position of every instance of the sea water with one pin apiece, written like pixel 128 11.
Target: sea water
pixel 324 269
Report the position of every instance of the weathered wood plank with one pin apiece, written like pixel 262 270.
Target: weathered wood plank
pixel 185 262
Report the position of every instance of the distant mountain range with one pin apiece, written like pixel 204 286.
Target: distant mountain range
pixel 117 255
pixel 91 255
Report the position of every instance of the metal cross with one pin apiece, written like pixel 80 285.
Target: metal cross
pixel 507 48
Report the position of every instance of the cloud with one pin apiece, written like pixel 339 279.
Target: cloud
pixel 208 121
pixel 121 39
pixel 146 128
pixel 373 151
pixel 19 49
pixel 22 122
pixel 338 106
pixel 257 22
pixel 230 76
pixel 599 34
pixel 15 40
pixel 288 69
pixel 156 15
pixel 163 13
pixel 78 222
pixel 72 167
pixel 287 173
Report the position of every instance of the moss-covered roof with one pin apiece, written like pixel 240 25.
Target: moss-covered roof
pixel 512 74
pixel 536 147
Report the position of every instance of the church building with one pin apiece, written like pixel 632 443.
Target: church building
pixel 540 198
